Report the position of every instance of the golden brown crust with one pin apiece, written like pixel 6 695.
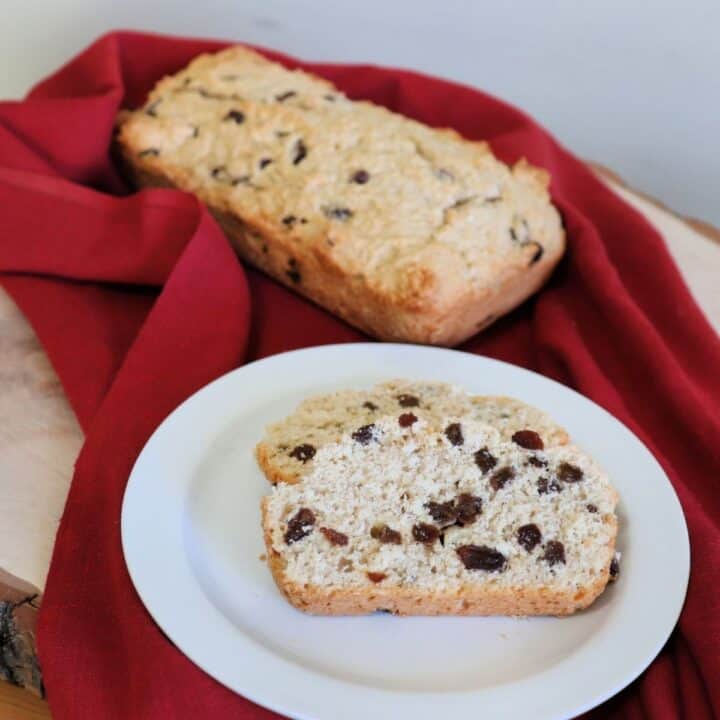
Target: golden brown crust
pixel 419 294
pixel 469 600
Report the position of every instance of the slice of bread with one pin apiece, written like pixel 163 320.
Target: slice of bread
pixel 402 517
pixel 287 452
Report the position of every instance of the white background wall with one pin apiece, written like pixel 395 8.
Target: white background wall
pixel 632 84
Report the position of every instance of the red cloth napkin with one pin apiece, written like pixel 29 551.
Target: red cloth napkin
pixel 139 301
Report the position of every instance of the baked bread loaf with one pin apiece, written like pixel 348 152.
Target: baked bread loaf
pixel 286 453
pixel 407 232
pixel 399 517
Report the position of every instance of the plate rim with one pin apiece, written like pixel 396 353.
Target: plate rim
pixel 465 699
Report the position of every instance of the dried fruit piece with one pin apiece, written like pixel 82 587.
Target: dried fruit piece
pixel 485 460
pixel 299 526
pixel 303 452
pixel 481 557
pixel 453 432
pixel 554 552
pixel 546 486
pixel 425 533
pixel 591 508
pixel 364 434
pixel 569 473
pixel 292 272
pixel 284 96
pixel 442 513
pixel 236 116
pixel 407 419
pixel 337 213
pixel 300 152
pixel 264 162
pixel 468 508
pixel 529 536
pixel 289 220
pixel 360 177
pixel 539 250
pixel 537 462
pixel 370 405
pixel 385 534
pixel 334 537
pixel 376 577
pixel 408 400
pixel 501 477
pixel 528 439
pixel 614 568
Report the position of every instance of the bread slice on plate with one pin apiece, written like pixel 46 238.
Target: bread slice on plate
pixel 287 452
pixel 401 516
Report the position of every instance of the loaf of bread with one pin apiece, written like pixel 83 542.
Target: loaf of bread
pixel 399 517
pixel 407 232
pixel 287 452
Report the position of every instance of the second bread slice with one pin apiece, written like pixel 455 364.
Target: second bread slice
pixel 287 452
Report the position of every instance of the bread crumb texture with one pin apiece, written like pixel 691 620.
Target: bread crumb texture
pixel 325 418
pixel 431 522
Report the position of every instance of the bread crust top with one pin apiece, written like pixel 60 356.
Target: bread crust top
pixel 422 219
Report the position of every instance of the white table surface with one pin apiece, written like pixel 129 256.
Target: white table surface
pixel 634 85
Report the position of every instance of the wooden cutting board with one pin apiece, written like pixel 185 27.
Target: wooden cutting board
pixel 40 439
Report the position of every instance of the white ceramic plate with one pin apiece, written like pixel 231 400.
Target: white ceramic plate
pixel 192 541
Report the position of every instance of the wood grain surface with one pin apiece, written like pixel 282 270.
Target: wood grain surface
pixel 40 439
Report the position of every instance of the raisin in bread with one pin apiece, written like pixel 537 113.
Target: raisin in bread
pixel 407 232
pixel 287 452
pixel 396 516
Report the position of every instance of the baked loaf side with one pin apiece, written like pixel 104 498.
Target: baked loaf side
pixel 407 232
pixel 287 452
pixel 401 518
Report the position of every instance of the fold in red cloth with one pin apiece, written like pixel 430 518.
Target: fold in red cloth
pixel 139 301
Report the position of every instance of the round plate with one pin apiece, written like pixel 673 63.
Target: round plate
pixel 191 530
